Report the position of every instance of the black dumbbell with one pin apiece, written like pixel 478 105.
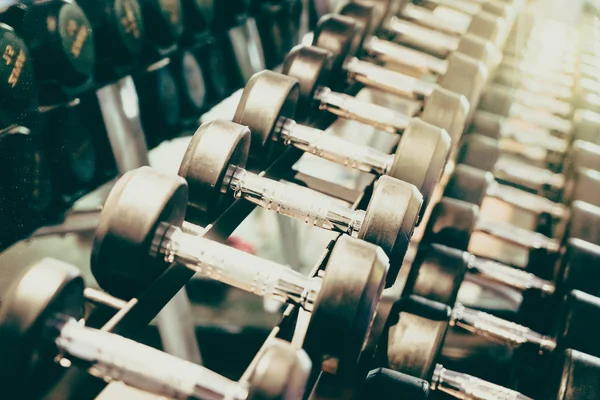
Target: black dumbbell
pixel 119 32
pixel 419 159
pixel 418 328
pixel 140 235
pixel 40 331
pixel 191 84
pixel 166 19
pixel 63 52
pixel 458 73
pixel 452 223
pixel 340 35
pixel 214 164
pixel 197 17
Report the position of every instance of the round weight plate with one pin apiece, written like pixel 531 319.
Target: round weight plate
pixel 267 97
pixel 451 223
pixel 311 66
pixel 415 339
pixel 16 72
pixel 421 158
pixel 127 39
pixel 575 375
pixel 280 373
pixel 336 34
pixel 479 152
pixel 345 307
pixel 192 87
pixel 487 124
pixel 390 220
pixel 441 271
pixel 469 184
pixel 480 49
pixel 489 27
pixel 465 75
pixel 364 15
pixel 448 111
pixel 214 148
pixel 497 99
pixel 77 45
pixel 48 288
pixel 137 205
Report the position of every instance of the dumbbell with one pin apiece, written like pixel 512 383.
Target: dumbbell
pixel 119 32
pixel 213 166
pixel 453 222
pixel 41 332
pixel 577 180
pixel 68 42
pixel 419 159
pixel 418 328
pixel 140 234
pixel 458 73
pixel 339 35
pixel 166 19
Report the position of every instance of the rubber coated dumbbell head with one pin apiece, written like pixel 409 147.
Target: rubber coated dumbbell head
pixel 576 376
pixel 47 289
pixel 339 35
pixel 468 184
pixel 416 336
pixel 584 222
pixel 580 267
pixel 267 98
pixel 384 384
pixel 351 290
pixel 577 323
pixel 480 49
pixel 448 110
pixel 583 186
pixel 487 124
pixel 365 15
pixel 440 273
pixel 479 152
pixel 311 66
pixel 451 223
pixel 583 154
pixel 497 99
pixel 121 261
pixel 489 27
pixel 586 126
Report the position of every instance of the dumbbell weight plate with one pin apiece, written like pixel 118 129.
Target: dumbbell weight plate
pixel 577 377
pixel 447 110
pixel 23 313
pixel 346 305
pixel 124 267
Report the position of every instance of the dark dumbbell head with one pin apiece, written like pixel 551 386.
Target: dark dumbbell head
pixel 577 323
pixel 466 76
pixel 213 149
pixel 468 184
pixel 390 219
pixel 311 66
pixel 121 260
pixel 45 290
pixel 451 223
pixel 166 19
pixel 267 97
pixel 280 373
pixel 441 271
pixel 447 110
pixel 386 384
pixel 497 99
pixel 68 42
pixel 584 222
pixel 345 307
pixel 416 336
pixel 580 267
pixel 339 35
pixel 479 152
pixel 198 14
pixel 364 14
pixel 586 126
pixel 18 87
pixel 583 186
pixel 576 375
pixel 190 84
pixel 487 124
pixel 480 49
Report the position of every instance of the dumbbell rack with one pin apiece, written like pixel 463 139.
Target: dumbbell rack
pixel 137 313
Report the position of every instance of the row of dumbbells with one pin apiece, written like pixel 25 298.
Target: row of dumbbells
pixel 57 105
pixel 355 325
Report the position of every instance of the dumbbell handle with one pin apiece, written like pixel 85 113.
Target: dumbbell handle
pixel 494 271
pixel 517 236
pixel 388 52
pixel 350 107
pixel 540 118
pixel 468 387
pixel 296 202
pixel 546 103
pixel 236 268
pixel 535 137
pixel 415 35
pixel 525 200
pixel 372 75
pixel 333 148
pixel 113 357
pixel 487 325
pixel 519 172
